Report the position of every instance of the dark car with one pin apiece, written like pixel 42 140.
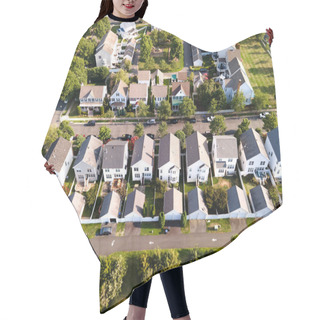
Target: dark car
pixel 90 123
pixel 126 136
pixel 192 120
pixel 173 121
pixel 104 231
pixel 150 135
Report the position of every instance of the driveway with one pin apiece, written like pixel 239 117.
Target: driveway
pixel 132 229
pixel 175 227
pixel 198 226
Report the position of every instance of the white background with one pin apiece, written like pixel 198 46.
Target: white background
pixel 49 270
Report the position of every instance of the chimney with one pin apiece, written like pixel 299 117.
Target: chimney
pixel 239 84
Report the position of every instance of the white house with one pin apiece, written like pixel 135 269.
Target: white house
pixel 160 93
pixel 91 97
pixel 142 159
pixel 87 165
pixel 114 160
pixel 111 207
pixel 134 206
pixel 224 155
pixel 127 30
pixel 172 204
pixel 106 51
pixel 261 203
pixel 60 155
pixel 197 208
pixel 196 57
pixel 252 153
pixel 144 77
pixel 197 158
pixel 237 203
pixel 273 150
pixel 137 92
pixel 78 201
pixel 197 80
pixel 119 96
pixel 169 160
pixel 180 90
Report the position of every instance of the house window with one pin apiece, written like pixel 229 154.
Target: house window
pixel 79 170
pixel 137 175
pixel 161 171
pixel 117 170
pixel 146 169
pixel 107 170
pixel 117 94
pixel 109 176
pixel 190 169
pixel 250 170
pixel 89 170
pixel 189 177
pixel 221 170
pixel 160 177
pixel 251 163
pixel 229 160
pixel 262 163
pixel 136 169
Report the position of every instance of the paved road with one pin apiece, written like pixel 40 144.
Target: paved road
pixel 105 245
pixel 117 129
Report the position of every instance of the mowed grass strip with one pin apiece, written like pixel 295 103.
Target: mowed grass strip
pixel 258 66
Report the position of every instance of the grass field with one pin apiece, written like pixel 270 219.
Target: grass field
pixel 258 66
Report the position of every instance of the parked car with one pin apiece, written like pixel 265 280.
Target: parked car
pixel 210 118
pixel 166 230
pixel 151 121
pixel 126 136
pixel 173 121
pixel 192 120
pixel 90 123
pixel 150 135
pixel 104 231
pixel 263 115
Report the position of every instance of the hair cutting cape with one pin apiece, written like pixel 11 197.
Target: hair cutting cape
pixel 166 151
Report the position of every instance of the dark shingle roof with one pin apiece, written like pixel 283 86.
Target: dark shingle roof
pixel 252 144
pixel 196 201
pixel 169 151
pixel 260 198
pixel 236 199
pixel 143 150
pixel 273 136
pixel 135 202
pixel 113 154
pixel 172 201
pixel 197 149
pixel 111 204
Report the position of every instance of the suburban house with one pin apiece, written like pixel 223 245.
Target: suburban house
pixel 252 153
pixel 196 57
pixel 179 91
pixel 114 160
pixel 119 96
pixel 111 207
pixel 197 158
pixel 224 155
pixel 88 162
pixel 172 204
pixel 197 208
pixel 129 50
pixel 137 92
pixel 144 77
pixel 60 154
pixel 197 80
pixel 160 93
pixel 260 200
pixel 78 201
pixel 237 203
pixel 182 76
pixel 105 53
pixel 91 97
pixel 169 160
pixel 157 77
pixel 134 206
pixel 127 30
pixel 142 159
pixel 273 150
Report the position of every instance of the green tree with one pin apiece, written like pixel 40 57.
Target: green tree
pixel 143 110
pixel 163 129
pixel 188 129
pixel 145 47
pixel 176 48
pixel 85 50
pixel 187 107
pixel 218 126
pixel 91 195
pixel 260 100
pixel 109 114
pixel 66 130
pixel 78 142
pixel 164 110
pixel 220 97
pixel 274 195
pixel 127 65
pixel 238 102
pixel 184 219
pixel 270 122
pixel 205 92
pixel 78 68
pixel 97 75
pixel 161 186
pixel 182 137
pixel 104 133
pixel 52 135
pixel 213 106
pixel 162 220
pixel 138 130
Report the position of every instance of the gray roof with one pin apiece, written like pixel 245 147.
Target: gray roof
pixel 196 201
pixel 111 204
pixel 172 201
pixel 89 151
pixel 143 150
pixel 252 144
pixel 169 151
pixel 58 152
pixel 273 136
pixel 234 65
pixel 78 201
pixel 236 199
pixel 225 147
pixel 135 201
pixel 113 155
pixel 107 42
pixel 260 198
pixel 197 149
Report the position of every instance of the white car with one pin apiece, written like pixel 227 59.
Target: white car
pixel 209 119
pixel 263 115
pixel 151 121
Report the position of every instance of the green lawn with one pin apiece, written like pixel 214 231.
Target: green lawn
pixel 223 223
pixel 120 229
pixel 187 228
pixel 248 182
pixel 258 66
pixel 91 229
pixel 250 221
pixel 150 228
